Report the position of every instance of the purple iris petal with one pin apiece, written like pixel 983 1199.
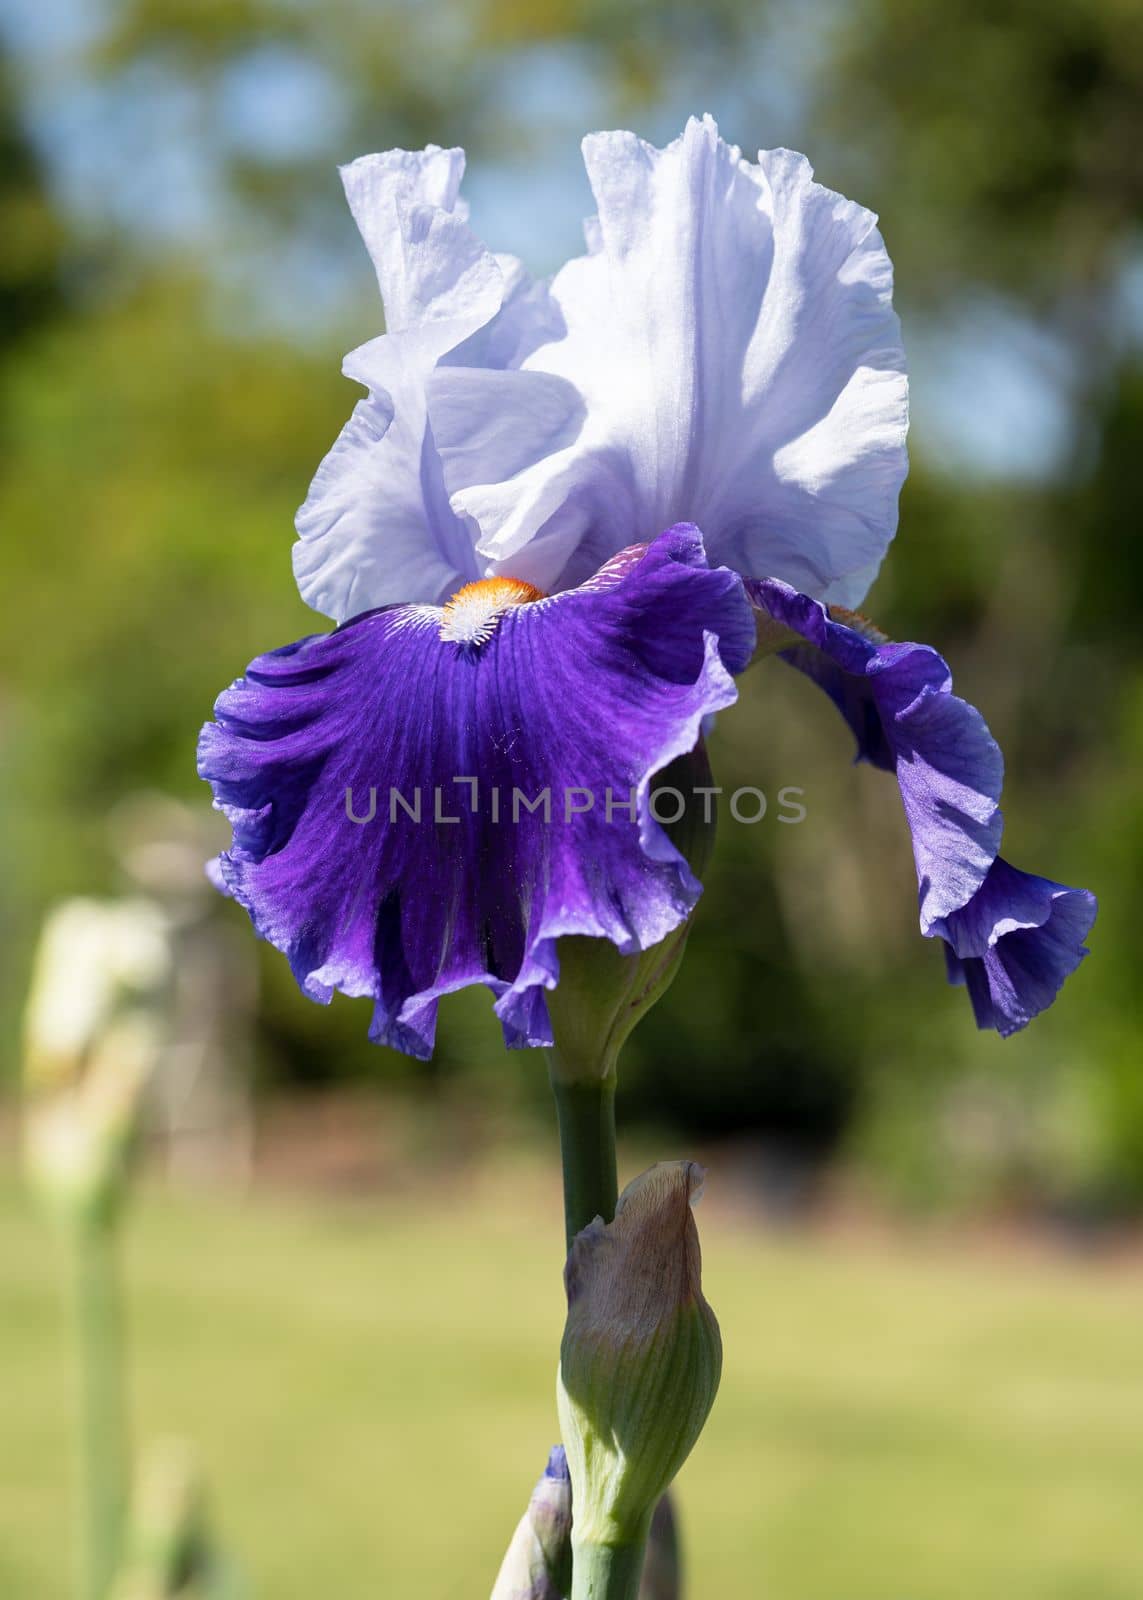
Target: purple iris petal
pixel 585 694
pixel 1015 942
pixel 898 700
pixel 1013 938
pixel 557 1466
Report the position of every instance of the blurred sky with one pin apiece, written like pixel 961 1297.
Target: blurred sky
pixel 991 389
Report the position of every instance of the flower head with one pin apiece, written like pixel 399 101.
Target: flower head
pixel 723 363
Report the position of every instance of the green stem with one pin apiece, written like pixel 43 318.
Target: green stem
pixel 607 1571
pixel 586 1111
pixel 585 1107
pixel 102 1410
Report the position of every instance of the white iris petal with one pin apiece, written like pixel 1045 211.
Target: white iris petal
pixel 727 354
pixel 732 339
pixel 377 528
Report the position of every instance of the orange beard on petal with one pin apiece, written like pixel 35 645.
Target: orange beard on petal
pixel 470 617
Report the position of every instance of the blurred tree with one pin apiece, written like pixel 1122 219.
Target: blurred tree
pixel 30 289
pixel 1007 134
pixel 1005 142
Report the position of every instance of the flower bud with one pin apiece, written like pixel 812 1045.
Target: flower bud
pixel 641 1356
pixel 93 959
pixel 92 1035
pixel 78 1140
pixel 538 1563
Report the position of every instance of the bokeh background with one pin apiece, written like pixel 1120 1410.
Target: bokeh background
pixel 179 278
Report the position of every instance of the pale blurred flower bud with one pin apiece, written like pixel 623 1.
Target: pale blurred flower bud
pixel 93 958
pixel 641 1355
pixel 78 1140
pixel 92 1034
pixel 538 1563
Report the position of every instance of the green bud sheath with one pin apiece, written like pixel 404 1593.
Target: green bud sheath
pixel 639 1369
pixel 601 994
pixel 599 999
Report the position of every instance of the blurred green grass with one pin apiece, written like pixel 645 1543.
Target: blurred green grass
pixel 370 1386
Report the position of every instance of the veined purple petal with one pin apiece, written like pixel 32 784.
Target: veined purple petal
pixel 1015 942
pixel 1013 938
pixel 898 700
pixel 589 692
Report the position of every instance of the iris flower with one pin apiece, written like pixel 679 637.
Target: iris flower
pixel 549 536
